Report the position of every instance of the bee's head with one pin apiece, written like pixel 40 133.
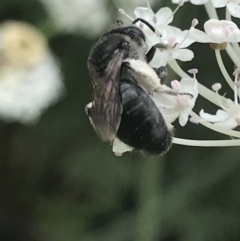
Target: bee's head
pixel 128 39
pixel 132 32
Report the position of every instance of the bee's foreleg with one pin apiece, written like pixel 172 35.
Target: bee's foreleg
pixel 162 73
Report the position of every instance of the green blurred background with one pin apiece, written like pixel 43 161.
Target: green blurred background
pixel 59 182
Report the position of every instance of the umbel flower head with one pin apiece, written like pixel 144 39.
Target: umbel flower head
pixel 177 101
pixel 30 78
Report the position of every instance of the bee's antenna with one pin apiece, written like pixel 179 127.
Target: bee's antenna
pixel 145 22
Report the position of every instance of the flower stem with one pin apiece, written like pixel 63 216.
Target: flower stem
pixel 228 15
pixel 211 11
pixel 223 69
pixel 233 55
pixel 236 48
pixel 208 143
pixel 149 216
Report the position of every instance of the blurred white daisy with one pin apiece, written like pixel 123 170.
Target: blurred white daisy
pixel 30 79
pixel 88 16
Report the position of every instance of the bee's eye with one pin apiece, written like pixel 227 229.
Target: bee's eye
pixel 135 32
pixel 132 31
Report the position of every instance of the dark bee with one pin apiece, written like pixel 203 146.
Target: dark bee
pixel 142 125
pixel 120 107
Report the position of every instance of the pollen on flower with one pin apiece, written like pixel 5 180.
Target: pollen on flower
pixel 155 19
pixel 216 86
pixel 121 11
pixel 194 22
pixel 175 85
pixel 194 72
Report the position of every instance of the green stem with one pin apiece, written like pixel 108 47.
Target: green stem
pixel 149 216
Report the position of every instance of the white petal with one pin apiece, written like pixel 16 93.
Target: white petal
pixel 160 58
pixel 187 41
pixel 230 123
pixel 165 100
pixel 164 16
pixel 170 32
pixel 220 116
pixel 234 9
pixel 189 85
pixel 119 147
pixel 219 3
pixel 234 36
pixel 219 31
pixel 199 36
pixel 183 118
pixel 151 39
pixel 182 54
pixel 144 13
pixel 169 115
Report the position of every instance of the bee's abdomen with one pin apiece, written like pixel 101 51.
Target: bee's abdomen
pixel 142 125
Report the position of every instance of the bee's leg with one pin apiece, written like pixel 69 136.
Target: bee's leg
pixel 162 73
pixel 88 109
pixel 145 22
pixel 150 54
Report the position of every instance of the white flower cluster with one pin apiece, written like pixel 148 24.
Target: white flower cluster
pixel 30 78
pixel 221 35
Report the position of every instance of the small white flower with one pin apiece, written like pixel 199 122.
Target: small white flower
pixel 162 16
pixel 30 79
pixel 175 41
pixel 179 105
pixel 217 31
pixel 229 116
pixel 233 6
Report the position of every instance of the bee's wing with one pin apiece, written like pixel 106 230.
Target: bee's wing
pixel 107 108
